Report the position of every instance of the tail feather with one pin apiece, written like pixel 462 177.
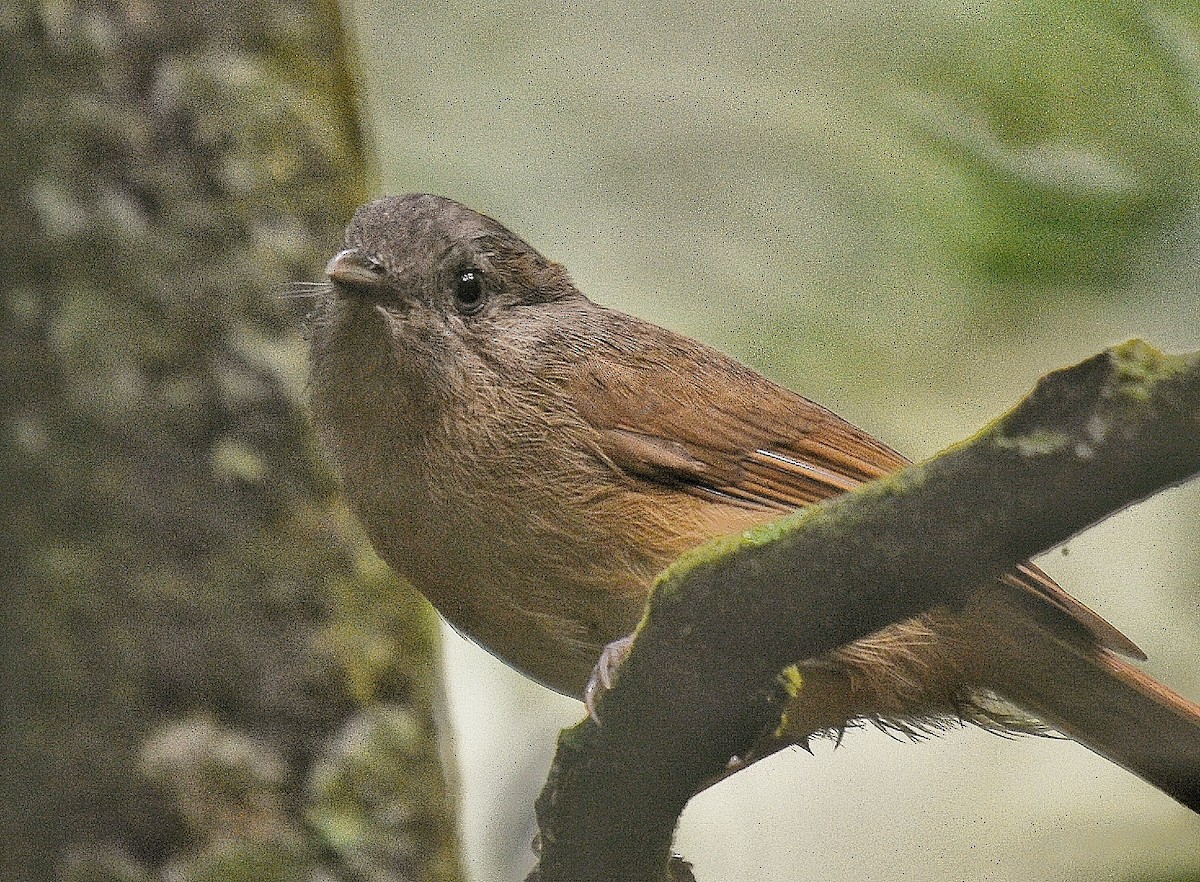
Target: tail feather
pixel 1106 704
pixel 944 668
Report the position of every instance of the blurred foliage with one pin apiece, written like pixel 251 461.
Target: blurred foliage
pixel 192 625
pixel 1061 135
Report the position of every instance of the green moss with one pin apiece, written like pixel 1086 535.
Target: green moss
pixel 241 860
pixel 374 798
pixel 1140 367
pixel 1038 442
pixel 792 681
pixel 718 549
pixel 232 459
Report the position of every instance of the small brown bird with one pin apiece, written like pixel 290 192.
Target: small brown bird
pixel 530 460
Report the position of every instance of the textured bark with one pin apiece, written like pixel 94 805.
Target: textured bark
pixel 1088 441
pixel 204 668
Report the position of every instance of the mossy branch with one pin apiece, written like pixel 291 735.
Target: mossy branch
pixel 701 682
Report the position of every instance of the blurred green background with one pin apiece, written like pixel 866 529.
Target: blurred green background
pixel 906 213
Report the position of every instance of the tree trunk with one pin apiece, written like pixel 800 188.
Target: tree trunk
pixel 204 667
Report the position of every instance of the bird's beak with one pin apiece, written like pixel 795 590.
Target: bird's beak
pixel 356 273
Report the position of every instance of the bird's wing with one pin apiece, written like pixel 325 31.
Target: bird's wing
pixel 750 443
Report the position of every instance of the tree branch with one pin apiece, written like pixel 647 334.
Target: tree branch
pixel 702 680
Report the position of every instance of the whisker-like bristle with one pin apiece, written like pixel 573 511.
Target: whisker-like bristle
pixel 304 291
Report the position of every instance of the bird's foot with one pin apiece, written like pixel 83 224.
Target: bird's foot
pixel 604 674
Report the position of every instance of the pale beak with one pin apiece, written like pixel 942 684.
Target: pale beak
pixel 352 270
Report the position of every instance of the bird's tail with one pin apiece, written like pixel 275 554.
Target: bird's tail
pixel 942 668
pixel 1105 703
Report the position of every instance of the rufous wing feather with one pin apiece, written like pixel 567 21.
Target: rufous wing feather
pixel 757 445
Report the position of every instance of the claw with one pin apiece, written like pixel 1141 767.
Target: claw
pixel 604 673
pixel 589 697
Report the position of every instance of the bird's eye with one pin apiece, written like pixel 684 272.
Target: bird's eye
pixel 468 290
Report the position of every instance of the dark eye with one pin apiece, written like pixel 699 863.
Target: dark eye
pixel 468 290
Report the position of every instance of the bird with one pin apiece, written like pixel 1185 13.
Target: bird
pixel 530 460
